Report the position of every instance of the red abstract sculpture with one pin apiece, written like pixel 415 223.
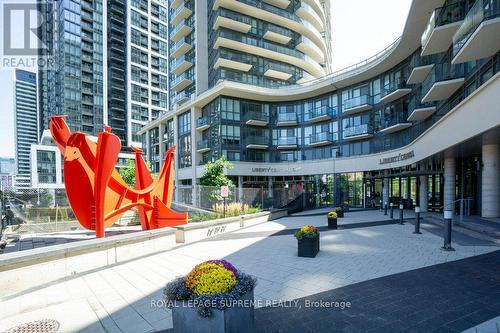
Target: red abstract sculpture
pixel 97 193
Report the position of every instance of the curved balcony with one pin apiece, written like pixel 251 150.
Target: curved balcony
pixel 305 12
pixel 263 11
pixel 307 47
pixel 271 51
pixel 279 3
pixel 287 119
pixel 357 104
pixel 396 123
pixel 317 7
pixel 230 23
pixel 278 71
pixel 479 35
pixel 277 34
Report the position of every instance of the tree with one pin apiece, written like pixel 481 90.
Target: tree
pixel 214 173
pixel 127 172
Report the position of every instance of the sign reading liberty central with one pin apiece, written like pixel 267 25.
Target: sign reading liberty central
pixel 397 158
pixel 274 170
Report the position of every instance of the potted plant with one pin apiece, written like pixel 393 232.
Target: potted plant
pixel 345 206
pixel 213 297
pixel 332 220
pixel 339 211
pixel 308 241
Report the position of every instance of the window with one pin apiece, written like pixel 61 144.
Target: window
pixel 230 134
pixel 230 109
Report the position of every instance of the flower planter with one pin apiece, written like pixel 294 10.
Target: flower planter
pixel 238 318
pixel 332 223
pixel 308 247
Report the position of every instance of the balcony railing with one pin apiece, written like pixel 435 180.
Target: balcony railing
pixel 288 117
pixel 255 116
pixel 395 119
pixel 203 122
pixel 203 145
pixel 321 137
pixel 320 113
pixel 257 140
pixel 481 11
pixel 392 86
pixel 357 102
pixel 442 72
pixel 357 130
pixel 287 141
pixel 451 13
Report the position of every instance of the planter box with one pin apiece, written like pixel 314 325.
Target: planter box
pixel 308 247
pixel 236 319
pixel 332 223
pixel 340 213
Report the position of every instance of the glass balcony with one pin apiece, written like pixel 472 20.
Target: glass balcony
pixel 358 132
pixel 233 61
pixel 202 146
pixel 395 122
pixel 181 82
pixel 420 111
pixel 394 90
pixel 278 34
pixel 182 29
pixel 321 139
pixel 278 71
pixel 257 142
pixel 287 119
pixel 180 97
pixel 320 114
pixel 180 48
pixel 279 3
pixel 287 142
pixel 180 13
pixel 442 82
pixel 478 37
pixel 256 118
pixel 358 104
pixel 442 25
pixel 181 64
pixel 202 123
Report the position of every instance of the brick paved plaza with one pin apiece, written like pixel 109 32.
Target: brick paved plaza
pixel 393 279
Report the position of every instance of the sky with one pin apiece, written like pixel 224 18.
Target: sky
pixel 361 28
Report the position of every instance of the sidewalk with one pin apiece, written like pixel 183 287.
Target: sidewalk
pixel 119 298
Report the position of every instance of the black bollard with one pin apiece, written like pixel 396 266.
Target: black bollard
pixel 381 205
pixel 385 208
pixel 392 210
pixel 417 220
pixel 401 214
pixel 447 231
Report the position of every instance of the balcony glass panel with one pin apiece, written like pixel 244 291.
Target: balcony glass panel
pixel 358 130
pixel 287 141
pixel 203 144
pixel 451 13
pixel 320 112
pixel 442 72
pixel 256 116
pixel 257 140
pixel 357 101
pixel 287 117
pixel 321 137
pixel 393 86
pixel 203 121
pixel 481 11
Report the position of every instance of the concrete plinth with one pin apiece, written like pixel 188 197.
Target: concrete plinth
pixel 490 181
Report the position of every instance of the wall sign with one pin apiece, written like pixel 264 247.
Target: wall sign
pixel 397 158
pixel 271 169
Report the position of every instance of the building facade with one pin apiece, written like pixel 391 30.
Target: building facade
pixel 110 64
pixel 26 124
pixel 267 43
pixel 418 124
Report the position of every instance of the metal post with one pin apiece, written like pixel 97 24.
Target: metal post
pixel 385 208
pixel 401 214
pixel 461 210
pixel 417 220
pixel 381 205
pixel 392 210
pixel 448 214
pixel 224 203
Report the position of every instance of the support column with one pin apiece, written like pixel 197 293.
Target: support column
pixel 423 193
pixel 176 159
pixel 240 188
pixel 449 180
pixel 385 190
pixel 490 178
pixel 270 187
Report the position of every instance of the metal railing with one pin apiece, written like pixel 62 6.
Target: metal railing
pixel 465 207
pixel 357 101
